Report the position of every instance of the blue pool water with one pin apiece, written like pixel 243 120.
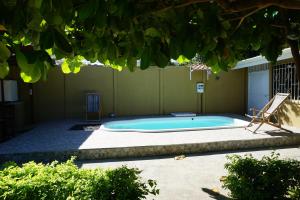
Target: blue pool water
pixel 173 124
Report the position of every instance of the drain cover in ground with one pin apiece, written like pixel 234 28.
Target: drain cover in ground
pixel 85 127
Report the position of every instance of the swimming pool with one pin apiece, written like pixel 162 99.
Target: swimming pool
pixel 163 124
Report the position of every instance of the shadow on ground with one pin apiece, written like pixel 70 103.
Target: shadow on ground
pixel 215 195
pixel 283 133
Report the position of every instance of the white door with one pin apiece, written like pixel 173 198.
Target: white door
pixel 258 89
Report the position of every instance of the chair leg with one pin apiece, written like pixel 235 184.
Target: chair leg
pixel 258 127
pixel 248 129
pixel 250 123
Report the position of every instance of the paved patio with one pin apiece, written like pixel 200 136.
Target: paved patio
pixel 56 138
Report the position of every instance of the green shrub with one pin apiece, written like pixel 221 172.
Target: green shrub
pixel 61 181
pixel 269 178
pixel 294 192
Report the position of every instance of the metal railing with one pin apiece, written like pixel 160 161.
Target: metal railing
pixel 284 80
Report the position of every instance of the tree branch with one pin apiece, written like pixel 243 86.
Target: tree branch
pixel 247 15
pixel 184 4
pixel 190 2
pixel 241 5
pixel 232 6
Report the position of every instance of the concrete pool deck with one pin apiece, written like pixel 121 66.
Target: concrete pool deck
pixel 54 140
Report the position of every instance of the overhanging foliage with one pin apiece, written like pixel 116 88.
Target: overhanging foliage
pixel 119 32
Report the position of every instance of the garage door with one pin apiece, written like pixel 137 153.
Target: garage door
pixel 258 87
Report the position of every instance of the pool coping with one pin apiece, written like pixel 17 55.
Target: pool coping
pixel 151 150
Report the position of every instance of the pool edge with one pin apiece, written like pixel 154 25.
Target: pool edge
pixel 242 124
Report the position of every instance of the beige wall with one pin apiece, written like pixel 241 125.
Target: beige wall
pixel 25 97
pixel 48 97
pixel 137 93
pixel 226 93
pixel 153 91
pixel 178 92
pixel 89 79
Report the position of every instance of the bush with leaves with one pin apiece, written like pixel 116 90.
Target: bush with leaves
pixel 294 192
pixel 62 181
pixel 268 178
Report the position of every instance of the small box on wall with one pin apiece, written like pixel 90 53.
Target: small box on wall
pixel 200 87
pixel 8 91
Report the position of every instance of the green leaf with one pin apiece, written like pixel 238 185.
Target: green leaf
pixel 35 38
pixel 65 67
pixel 255 45
pixel 61 42
pixel 22 62
pixel 35 3
pixel 209 46
pixel 189 48
pixel 226 25
pixel 59 54
pixel 31 56
pixel 44 56
pixel 175 48
pixel 152 32
pixel 4 70
pixel 4 52
pixel 223 34
pixel 44 70
pixel 117 67
pixel 101 19
pixel 138 39
pixel 30 73
pixel 161 59
pixel 181 59
pixel 212 59
pixel 146 58
pixel 46 39
pixel 200 13
pixel 32 76
pixel 88 9
pixel 54 19
pixel 72 65
pixel 111 51
pixel 113 65
pixel 131 63
pixel 35 22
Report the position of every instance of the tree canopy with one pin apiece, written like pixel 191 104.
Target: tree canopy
pixel 119 32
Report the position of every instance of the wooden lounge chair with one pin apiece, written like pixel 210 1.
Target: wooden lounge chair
pixel 271 109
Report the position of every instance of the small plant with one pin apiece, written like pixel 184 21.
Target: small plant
pixel 269 178
pixel 294 192
pixel 61 181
